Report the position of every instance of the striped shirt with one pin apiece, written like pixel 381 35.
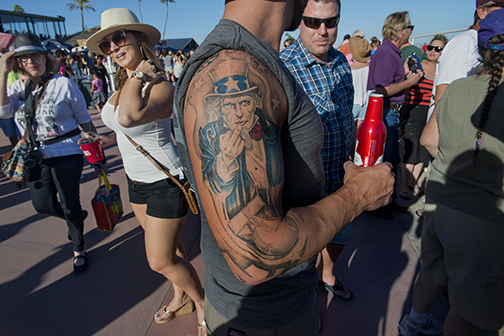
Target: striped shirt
pixel 421 93
pixel 330 89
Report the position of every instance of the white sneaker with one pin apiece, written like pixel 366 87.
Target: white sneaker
pixel 408 327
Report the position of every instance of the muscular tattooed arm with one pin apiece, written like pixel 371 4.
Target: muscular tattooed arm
pixel 234 111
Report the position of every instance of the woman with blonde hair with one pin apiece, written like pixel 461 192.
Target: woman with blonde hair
pixel 141 110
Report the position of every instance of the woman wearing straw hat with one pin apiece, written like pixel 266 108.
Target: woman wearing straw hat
pixel 56 109
pixel 141 109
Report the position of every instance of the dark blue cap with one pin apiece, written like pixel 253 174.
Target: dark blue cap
pixel 492 25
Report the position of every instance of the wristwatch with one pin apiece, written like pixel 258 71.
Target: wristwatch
pixel 138 75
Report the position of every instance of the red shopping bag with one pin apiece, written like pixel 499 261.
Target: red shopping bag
pixel 106 203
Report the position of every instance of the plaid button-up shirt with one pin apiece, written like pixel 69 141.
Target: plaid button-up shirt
pixel 330 89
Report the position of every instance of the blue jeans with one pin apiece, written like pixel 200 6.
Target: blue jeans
pixel 391 154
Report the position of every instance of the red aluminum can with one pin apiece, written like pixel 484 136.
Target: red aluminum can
pixel 371 135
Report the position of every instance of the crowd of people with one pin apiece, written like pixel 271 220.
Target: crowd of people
pixel 263 134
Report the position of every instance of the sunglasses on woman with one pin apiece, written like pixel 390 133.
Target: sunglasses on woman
pixel 119 39
pixel 438 49
pixel 315 23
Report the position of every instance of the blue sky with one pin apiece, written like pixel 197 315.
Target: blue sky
pixel 195 18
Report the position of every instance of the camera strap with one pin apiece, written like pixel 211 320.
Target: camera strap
pixel 31 105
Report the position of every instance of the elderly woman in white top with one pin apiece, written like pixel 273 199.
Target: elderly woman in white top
pixel 141 109
pixel 57 109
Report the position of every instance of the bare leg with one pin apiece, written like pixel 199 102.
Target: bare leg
pixel 406 170
pixel 415 175
pixel 426 293
pixel 165 254
pixel 457 326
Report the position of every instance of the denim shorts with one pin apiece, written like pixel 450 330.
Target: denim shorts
pixel 164 198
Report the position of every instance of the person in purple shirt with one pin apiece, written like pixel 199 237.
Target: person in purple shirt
pixel 390 77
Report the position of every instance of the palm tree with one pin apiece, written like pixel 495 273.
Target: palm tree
pixel 166 20
pixel 18 9
pixel 81 4
pixel 140 10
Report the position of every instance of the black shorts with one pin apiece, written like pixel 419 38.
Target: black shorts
pixel 164 198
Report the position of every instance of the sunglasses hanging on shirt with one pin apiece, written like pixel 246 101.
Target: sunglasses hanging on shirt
pixel 315 23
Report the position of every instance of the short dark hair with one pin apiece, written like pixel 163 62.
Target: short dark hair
pixel 58 53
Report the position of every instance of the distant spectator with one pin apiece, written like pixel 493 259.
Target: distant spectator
pixel 361 53
pixel 72 63
pixel 98 98
pixel 168 63
pixel 388 76
pixel 344 48
pixel 101 72
pixel 62 69
pixel 375 43
pixel 288 42
pixel 358 33
pixel 408 50
pixel 177 67
pixel 90 59
pixel 414 118
pixel 8 125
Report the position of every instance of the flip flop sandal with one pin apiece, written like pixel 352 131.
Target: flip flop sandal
pixel 417 191
pixel 202 325
pixel 339 287
pixel 185 309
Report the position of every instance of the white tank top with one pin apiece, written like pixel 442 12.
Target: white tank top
pixel 155 137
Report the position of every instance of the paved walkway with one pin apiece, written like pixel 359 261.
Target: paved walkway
pixel 118 295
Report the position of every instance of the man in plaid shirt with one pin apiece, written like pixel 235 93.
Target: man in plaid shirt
pixel 325 75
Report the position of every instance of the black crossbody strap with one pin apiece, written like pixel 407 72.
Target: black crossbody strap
pixel 31 105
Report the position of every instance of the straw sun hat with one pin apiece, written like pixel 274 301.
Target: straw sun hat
pixel 116 19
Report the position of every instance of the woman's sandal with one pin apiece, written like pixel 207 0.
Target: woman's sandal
pixel 339 288
pixel 202 325
pixel 185 309
pixel 417 191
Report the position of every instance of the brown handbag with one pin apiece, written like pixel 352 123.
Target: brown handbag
pixel 186 188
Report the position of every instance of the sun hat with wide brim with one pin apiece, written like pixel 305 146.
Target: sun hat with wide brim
pixel 116 19
pixel 28 44
pixel 360 49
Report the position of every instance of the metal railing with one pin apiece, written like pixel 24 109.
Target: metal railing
pixel 446 32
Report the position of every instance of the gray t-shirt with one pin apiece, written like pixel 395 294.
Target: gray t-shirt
pixel 287 297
